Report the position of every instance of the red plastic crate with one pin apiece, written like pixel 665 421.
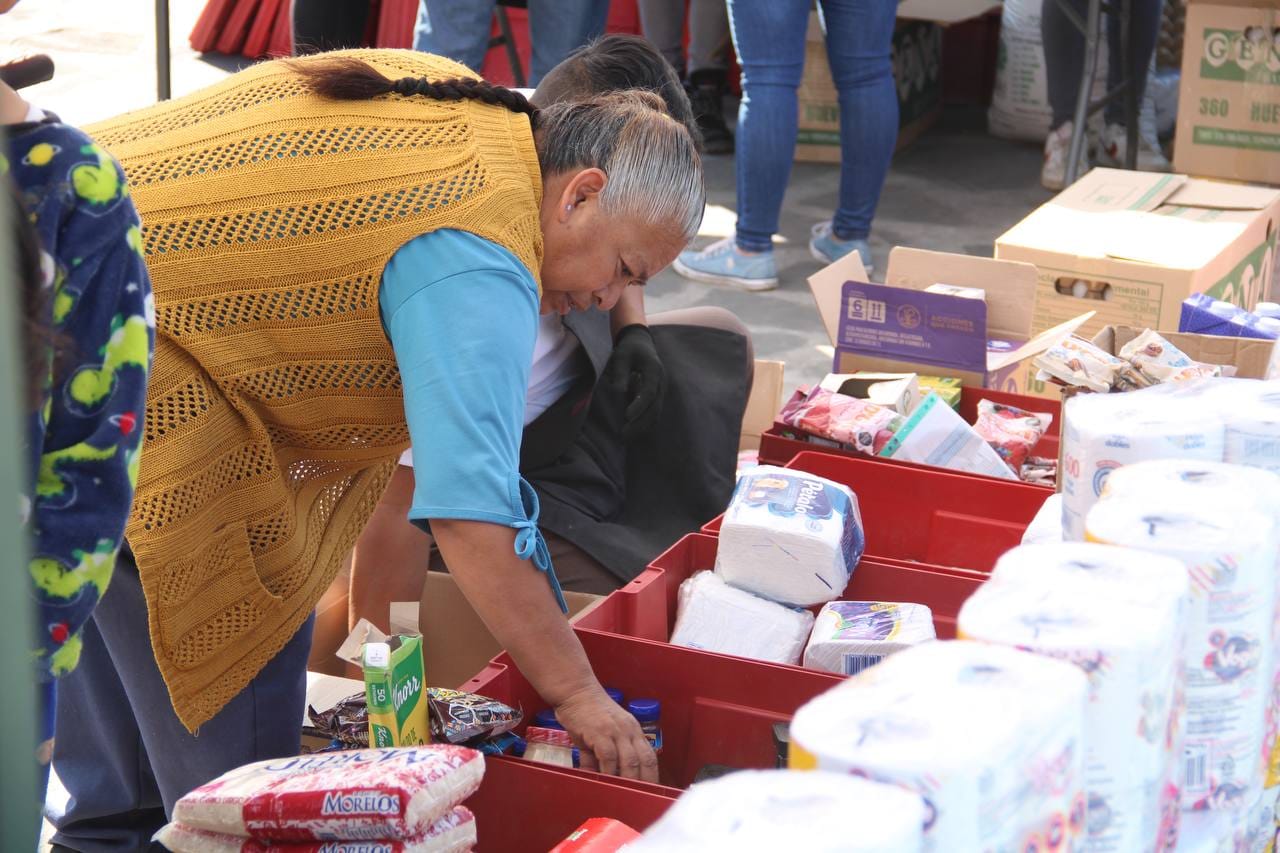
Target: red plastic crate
pixel 777 449
pixel 924 515
pixel 646 607
pixel 522 805
pixel 716 709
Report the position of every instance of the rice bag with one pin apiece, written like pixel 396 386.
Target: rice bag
pixel 453 833
pixel 1078 362
pixel 363 794
pixel 458 717
pixel 1010 431
pixel 1160 361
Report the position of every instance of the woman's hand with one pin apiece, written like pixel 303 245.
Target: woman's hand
pixel 636 374
pixel 609 738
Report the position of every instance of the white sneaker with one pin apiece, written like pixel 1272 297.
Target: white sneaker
pixel 1114 142
pixel 1057 147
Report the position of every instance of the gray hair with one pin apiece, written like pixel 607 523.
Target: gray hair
pixel 651 160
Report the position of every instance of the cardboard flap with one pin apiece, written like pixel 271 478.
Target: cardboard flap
pixel 827 287
pixel 945 11
pixel 1219 196
pixel 1038 344
pixel 1166 241
pixel 1010 285
pixel 1117 189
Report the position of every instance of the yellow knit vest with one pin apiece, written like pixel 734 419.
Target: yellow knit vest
pixel 274 413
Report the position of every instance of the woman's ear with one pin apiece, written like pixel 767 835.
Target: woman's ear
pixel 583 188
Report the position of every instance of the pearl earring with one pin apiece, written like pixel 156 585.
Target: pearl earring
pixel 568 207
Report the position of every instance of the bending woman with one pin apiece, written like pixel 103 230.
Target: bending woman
pixel 347 251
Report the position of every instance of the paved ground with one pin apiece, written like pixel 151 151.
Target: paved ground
pixel 955 189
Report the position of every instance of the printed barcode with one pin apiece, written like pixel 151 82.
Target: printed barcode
pixel 854 664
pixel 1196 770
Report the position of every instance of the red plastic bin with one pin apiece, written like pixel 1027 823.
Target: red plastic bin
pixel 925 515
pixel 776 448
pixel 525 806
pixel 646 607
pixel 716 709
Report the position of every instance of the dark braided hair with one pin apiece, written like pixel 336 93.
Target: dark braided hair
pixel 349 79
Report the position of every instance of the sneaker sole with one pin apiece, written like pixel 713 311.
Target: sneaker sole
pixel 823 259
pixel 752 284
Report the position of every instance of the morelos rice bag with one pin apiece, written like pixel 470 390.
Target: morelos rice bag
pixel 362 794
pixel 453 833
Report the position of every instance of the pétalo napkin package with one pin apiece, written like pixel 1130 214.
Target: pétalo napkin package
pixel 790 536
pixel 715 617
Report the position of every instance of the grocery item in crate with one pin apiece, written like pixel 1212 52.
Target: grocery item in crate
pixel 897 391
pixel 549 746
pixel 850 636
pixel 790 536
pixel 648 713
pixel 936 435
pixel 362 794
pixel 1010 431
pixel 715 617
pixel 458 717
pixel 851 423
pixel 597 835
pixel 946 387
pixel 1229 551
pixel 1160 361
pixel 990 737
pixel 1078 362
pixel 1040 471
pixel 1046 527
pixel 1103 432
pixel 453 833
pixel 1204 315
pixel 1130 652
pixel 778 810
pixel 395 690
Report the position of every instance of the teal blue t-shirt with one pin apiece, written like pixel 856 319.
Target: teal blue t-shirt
pixel 462 316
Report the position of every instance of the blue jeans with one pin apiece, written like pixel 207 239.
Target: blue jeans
pixel 769 36
pixel 118 746
pixel 459 30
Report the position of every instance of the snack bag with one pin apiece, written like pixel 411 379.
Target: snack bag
pixel 458 717
pixel 1160 361
pixel 1078 362
pixel 1010 431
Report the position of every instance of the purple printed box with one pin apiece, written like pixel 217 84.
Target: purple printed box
pixel 914 325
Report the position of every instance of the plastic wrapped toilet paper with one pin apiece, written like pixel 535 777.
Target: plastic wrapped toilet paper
pixel 990 737
pixel 1046 527
pixel 850 636
pixel 1252 412
pixel 1230 554
pixel 1131 654
pixel 1103 432
pixel 1221 484
pixel 778 810
pixel 715 617
pixel 790 536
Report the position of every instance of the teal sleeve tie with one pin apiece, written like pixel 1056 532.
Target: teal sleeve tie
pixel 532 545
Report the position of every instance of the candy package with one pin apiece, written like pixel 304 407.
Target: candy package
pixel 1040 470
pixel 453 833
pixel 346 723
pixel 1010 431
pixel 857 424
pixel 364 794
pixel 1160 361
pixel 1078 362
pixel 458 717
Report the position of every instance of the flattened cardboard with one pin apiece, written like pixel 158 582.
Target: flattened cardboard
pixel 764 403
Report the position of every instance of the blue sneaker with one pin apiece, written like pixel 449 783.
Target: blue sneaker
pixel 724 263
pixel 826 247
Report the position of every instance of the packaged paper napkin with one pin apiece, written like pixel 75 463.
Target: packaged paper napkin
pixel 990 737
pixel 850 636
pixel 715 617
pixel 777 810
pixel 790 536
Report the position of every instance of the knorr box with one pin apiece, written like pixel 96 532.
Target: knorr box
pixel 396 692
pixel 1229 101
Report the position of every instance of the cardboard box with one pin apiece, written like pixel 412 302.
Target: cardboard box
pixel 1229 96
pixel 901 328
pixel 1144 242
pixel 764 403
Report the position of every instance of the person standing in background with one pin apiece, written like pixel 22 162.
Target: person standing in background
pixel 770 40
pixel 1064 66
pixel 459 30
pixel 707 72
pixel 328 24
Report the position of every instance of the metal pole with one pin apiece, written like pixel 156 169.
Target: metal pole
pixel 1128 61
pixel 162 50
pixel 1086 88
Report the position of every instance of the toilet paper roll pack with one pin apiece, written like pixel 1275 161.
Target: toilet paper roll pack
pixel 777 810
pixel 990 737
pixel 790 536
pixel 1229 552
pixel 1130 653
pixel 1103 432
pixel 1046 527
pixel 1222 484
pixel 1252 412
pixel 715 617
pixel 850 636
